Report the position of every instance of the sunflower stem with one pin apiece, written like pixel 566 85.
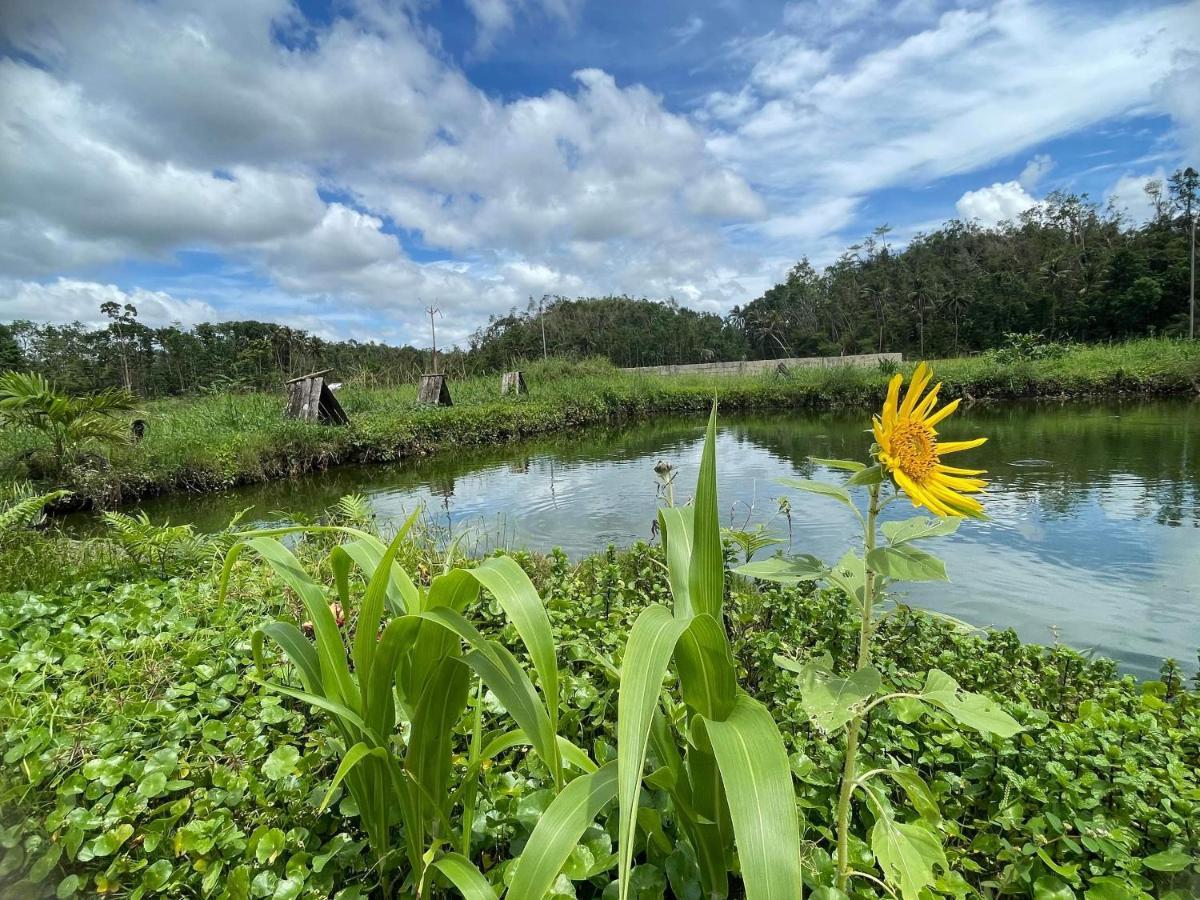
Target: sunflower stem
pixel 850 763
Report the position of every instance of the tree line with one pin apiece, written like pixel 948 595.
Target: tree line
pixel 1068 268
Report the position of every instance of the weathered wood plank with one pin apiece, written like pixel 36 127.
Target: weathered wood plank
pixel 514 383
pixel 433 391
pixel 311 400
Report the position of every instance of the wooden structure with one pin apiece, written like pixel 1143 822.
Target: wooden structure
pixel 513 383
pixel 433 391
pixel 310 399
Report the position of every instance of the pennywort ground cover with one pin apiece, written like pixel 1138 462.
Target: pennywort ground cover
pixel 106 681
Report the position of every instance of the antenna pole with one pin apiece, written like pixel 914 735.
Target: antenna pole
pixel 433 311
pixel 542 319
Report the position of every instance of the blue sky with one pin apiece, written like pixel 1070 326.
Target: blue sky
pixel 337 167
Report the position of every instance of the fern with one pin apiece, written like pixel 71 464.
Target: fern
pixel 146 542
pixel 20 507
pixel 352 509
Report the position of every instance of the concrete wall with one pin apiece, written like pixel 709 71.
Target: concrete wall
pixel 759 366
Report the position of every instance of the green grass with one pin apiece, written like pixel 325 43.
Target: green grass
pixel 215 442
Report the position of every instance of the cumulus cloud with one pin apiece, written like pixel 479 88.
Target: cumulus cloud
pixel 146 130
pixel 1002 202
pixel 67 300
pixel 309 156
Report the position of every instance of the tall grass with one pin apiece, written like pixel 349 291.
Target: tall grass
pixel 214 442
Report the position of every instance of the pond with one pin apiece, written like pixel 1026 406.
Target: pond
pixel 1094 537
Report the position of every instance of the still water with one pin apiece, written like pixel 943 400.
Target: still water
pixel 1094 537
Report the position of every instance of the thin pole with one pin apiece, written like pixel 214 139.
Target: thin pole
pixel 433 310
pixel 1192 290
pixel 542 317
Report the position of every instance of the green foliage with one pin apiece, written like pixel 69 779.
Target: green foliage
pixel 70 424
pixel 212 443
pixel 1068 269
pixel 22 507
pixel 128 702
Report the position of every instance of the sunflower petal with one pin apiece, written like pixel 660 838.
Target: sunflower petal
pixel 951 470
pixel 916 387
pixel 956 446
pixel 943 412
pixel 928 403
pixel 893 397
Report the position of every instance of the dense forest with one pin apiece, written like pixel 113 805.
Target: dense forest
pixel 1066 269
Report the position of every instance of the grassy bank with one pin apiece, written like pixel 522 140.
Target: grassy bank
pixel 142 760
pixel 215 442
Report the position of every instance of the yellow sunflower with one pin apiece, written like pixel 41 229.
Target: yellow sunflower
pixel 911 453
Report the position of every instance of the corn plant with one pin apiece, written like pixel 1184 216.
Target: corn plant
pixel 718 753
pixel 410 662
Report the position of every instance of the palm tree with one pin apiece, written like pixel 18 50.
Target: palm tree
pixel 70 423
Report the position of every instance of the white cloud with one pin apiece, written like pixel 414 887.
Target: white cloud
pixel 972 88
pixel 1035 170
pixel 688 30
pixel 66 300
pixel 144 129
pixel 999 203
pixel 1128 195
pixel 151 129
pixel 495 17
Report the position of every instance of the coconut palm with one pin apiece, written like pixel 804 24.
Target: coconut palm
pixel 69 423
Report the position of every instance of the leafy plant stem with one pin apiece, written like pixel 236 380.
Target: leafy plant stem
pixel 850 763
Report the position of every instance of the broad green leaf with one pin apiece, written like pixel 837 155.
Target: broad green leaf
pixel 1068 871
pixel 501 672
pixel 1173 860
pixel 906 852
pixel 830 701
pixel 336 683
pixel 869 476
pixel 706 675
pixel 973 710
pixel 647 654
pixel 108 843
pixel 281 762
pixel 1107 887
pixel 1050 888
pixel 440 707
pixel 464 876
pixel 297 647
pixel 919 793
pixel 919 528
pixel 559 829
pixel 848 465
pixel 789 570
pixel 706 572
pixel 850 575
pixel 818 487
pixel 905 563
pixel 757 777
pixel 521 603
pixel 675 522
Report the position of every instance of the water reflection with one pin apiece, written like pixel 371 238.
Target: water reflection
pixel 1095 530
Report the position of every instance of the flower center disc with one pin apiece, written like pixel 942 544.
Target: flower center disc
pixel 914 449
